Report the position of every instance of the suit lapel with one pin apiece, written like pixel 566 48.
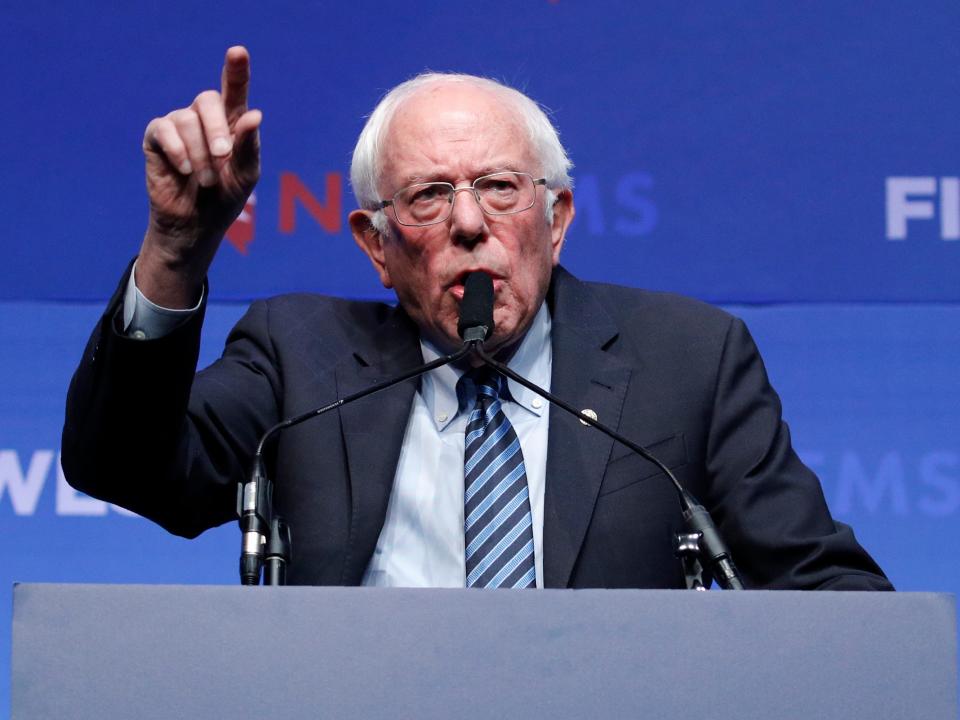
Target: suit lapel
pixel 373 430
pixel 587 377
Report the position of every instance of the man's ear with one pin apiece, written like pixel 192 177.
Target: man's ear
pixel 563 212
pixel 371 242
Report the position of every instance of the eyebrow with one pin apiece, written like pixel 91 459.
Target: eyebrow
pixel 441 177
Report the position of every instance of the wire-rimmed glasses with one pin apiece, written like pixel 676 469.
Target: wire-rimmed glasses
pixel 501 193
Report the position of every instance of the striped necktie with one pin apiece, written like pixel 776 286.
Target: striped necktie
pixel 498 526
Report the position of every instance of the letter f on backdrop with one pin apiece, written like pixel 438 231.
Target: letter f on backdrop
pixel 912 198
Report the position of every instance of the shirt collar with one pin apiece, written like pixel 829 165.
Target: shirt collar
pixel 533 360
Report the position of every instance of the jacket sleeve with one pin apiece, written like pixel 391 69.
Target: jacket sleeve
pixel 142 431
pixel 769 506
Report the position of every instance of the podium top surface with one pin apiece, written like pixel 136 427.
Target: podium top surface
pixel 93 651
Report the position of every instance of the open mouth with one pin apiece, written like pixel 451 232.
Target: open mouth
pixel 456 287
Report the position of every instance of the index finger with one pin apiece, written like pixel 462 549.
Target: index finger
pixel 235 81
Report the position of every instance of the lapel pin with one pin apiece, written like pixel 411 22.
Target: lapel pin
pixel 590 414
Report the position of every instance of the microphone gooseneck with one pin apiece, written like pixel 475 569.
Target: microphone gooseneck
pixel 703 533
pixel 265 537
pixel 476 324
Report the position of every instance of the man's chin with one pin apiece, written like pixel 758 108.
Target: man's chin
pixel 502 343
pixel 450 344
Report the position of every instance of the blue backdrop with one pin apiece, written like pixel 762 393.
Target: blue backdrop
pixel 795 163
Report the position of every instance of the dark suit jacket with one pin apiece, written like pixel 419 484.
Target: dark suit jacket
pixel 680 377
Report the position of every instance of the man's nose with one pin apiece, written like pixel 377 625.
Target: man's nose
pixel 468 223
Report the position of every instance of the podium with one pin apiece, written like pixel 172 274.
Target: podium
pixel 88 651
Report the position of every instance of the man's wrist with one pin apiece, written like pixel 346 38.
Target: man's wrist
pixel 145 319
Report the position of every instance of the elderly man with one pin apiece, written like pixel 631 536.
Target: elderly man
pixel 463 478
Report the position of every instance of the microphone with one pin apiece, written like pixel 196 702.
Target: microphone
pixel 255 494
pixel 476 309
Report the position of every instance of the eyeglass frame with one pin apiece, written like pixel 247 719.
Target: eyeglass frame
pixel 384 204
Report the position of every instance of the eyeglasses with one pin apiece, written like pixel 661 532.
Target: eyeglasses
pixel 502 193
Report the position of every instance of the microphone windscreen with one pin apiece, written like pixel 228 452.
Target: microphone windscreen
pixel 476 308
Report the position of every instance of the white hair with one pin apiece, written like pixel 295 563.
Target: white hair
pixel 368 153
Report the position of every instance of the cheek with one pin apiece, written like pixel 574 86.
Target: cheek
pixel 535 267
pixel 408 264
pixel 424 254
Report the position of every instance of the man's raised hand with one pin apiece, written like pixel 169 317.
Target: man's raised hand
pixel 202 163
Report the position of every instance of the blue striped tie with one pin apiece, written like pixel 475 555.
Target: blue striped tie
pixel 498 527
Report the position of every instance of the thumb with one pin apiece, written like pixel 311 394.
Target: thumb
pixel 246 141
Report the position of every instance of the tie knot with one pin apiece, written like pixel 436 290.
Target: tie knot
pixel 481 382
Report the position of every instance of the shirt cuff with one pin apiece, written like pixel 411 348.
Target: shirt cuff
pixel 144 320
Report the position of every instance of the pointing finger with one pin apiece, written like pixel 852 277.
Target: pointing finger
pixel 235 81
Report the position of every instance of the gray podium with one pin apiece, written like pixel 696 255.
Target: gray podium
pixel 86 651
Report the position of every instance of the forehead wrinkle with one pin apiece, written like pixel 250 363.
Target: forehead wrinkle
pixel 440 175
pixel 428 141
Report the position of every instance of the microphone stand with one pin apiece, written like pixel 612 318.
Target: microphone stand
pixel 701 545
pixel 266 538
